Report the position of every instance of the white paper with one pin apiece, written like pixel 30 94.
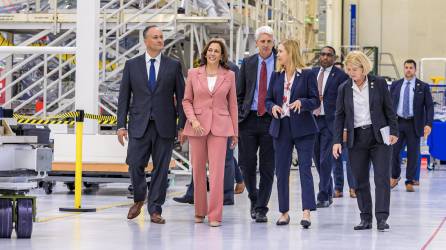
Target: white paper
pixel 385 133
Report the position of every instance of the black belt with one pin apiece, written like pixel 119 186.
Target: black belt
pixel 406 118
pixel 364 126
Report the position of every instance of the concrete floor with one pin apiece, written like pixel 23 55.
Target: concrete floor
pixel 416 221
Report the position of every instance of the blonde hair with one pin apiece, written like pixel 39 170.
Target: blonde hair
pixel 359 59
pixel 292 47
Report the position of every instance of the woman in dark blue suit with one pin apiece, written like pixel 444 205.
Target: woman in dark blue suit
pixel 292 97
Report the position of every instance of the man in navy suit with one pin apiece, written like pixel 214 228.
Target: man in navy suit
pixel 328 78
pixel 412 102
pixel 149 83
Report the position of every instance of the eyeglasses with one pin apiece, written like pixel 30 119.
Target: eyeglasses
pixel 326 54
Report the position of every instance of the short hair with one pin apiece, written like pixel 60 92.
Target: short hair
pixel 359 59
pixel 329 47
pixel 144 32
pixel 410 61
pixel 224 53
pixel 264 30
pixel 292 47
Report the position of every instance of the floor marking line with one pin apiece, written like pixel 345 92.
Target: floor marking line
pixel 433 235
pixel 101 208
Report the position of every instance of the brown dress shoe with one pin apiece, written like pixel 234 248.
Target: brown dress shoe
pixel 135 210
pixel 239 188
pixel 338 194
pixel 409 187
pixel 157 219
pixel 394 182
pixel 352 193
pixel 416 183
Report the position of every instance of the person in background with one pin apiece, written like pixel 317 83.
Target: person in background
pixel 412 102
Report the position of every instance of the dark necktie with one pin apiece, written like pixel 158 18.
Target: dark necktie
pixel 152 76
pixel 406 104
pixel 261 110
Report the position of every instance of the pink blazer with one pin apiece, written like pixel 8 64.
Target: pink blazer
pixel 217 110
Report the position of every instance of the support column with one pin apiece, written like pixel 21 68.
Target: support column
pixel 87 61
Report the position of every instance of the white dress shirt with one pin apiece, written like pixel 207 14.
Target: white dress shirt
pixel 361 108
pixel 324 83
pixel 211 82
pixel 157 64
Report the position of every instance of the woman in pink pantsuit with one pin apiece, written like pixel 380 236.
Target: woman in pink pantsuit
pixel 210 105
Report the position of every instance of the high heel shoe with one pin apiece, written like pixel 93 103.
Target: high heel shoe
pixel 199 219
pixel 283 222
pixel 305 223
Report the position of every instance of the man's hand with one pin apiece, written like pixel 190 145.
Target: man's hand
pixel 181 137
pixel 337 150
pixel 344 136
pixel 122 135
pixel 277 111
pixel 393 139
pixel 427 131
pixel 234 141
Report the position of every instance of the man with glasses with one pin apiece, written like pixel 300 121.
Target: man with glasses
pixel 328 80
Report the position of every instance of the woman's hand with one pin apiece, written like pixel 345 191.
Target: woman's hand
pixel 277 111
pixel 393 139
pixel 337 150
pixel 296 105
pixel 234 141
pixel 196 126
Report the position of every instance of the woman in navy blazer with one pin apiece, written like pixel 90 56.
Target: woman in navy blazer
pixel 292 97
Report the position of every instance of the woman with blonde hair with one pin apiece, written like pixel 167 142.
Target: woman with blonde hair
pixel 292 97
pixel 210 105
pixel 364 110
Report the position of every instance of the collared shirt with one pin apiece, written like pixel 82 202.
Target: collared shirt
pixel 157 64
pixel 287 85
pixel 324 83
pixel 361 108
pixel 269 70
pixel 411 95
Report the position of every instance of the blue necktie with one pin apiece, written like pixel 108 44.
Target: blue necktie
pixel 406 105
pixel 152 76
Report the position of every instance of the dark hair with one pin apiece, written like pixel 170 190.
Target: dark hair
pixel 410 61
pixel 144 32
pixel 224 53
pixel 329 47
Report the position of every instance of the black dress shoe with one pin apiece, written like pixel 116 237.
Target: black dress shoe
pixel 261 217
pixel 184 199
pixel 283 222
pixel 383 226
pixel 253 211
pixel 363 225
pixel 322 204
pixel 305 223
pixel 228 202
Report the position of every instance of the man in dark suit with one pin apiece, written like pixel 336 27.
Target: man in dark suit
pixel 230 168
pixel 149 84
pixel 328 78
pixel 255 73
pixel 364 110
pixel 412 102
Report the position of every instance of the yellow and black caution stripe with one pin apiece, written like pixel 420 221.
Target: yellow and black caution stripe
pixel 43 121
pixel 100 117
